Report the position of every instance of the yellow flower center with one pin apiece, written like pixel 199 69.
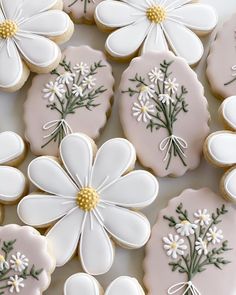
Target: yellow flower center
pixel 2 259
pixel 8 29
pixel 144 88
pixel 18 262
pixel 156 14
pixel 185 222
pixel 87 199
pixel 143 109
pixel 174 246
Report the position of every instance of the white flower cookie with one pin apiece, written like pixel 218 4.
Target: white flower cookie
pixel 26 263
pixel 220 148
pixel 92 199
pixel 85 284
pixel 155 25
pixel 13 184
pixel 29 31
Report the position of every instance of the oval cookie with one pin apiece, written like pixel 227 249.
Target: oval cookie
pixel 161 103
pixel 75 97
pixel 192 247
pixel 221 63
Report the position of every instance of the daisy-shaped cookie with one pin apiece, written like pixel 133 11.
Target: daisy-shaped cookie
pixel 28 32
pixel 85 284
pixel 12 181
pixel 91 200
pixel 155 25
pixel 220 148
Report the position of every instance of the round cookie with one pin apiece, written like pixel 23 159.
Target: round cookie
pixel 91 200
pixel 161 103
pixel 29 31
pixel 26 263
pixel 221 64
pixel 13 184
pixel 142 26
pixel 220 148
pixel 75 97
pixel 81 11
pixel 87 285
pixel 192 247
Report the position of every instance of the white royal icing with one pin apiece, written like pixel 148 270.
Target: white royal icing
pixel 88 285
pixel 111 214
pixel 35 23
pixel 138 30
pixel 228 108
pixel 12 181
pixel 229 182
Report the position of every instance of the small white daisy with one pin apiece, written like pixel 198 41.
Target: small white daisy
pixel 3 263
pixel 15 283
pixel 201 246
pixel 66 78
pixel 156 75
pixel 89 82
pixel 19 262
pixel 146 92
pixel 185 228
pixel 174 246
pixel 166 99
pixel 142 111
pixel 81 68
pixel 215 236
pixel 53 89
pixel 77 90
pixel 171 86
pixel 202 217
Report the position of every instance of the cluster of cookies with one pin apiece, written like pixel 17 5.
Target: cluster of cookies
pixel 89 199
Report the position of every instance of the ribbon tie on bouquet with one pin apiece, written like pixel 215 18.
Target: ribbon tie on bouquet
pixel 180 286
pixel 167 143
pixel 56 124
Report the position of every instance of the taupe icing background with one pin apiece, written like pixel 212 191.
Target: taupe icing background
pixel 126 262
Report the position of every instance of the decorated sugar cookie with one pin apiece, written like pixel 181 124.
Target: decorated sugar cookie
pixel 75 97
pixel 81 10
pixel 26 263
pixel 29 31
pixel 161 103
pixel 91 199
pixel 87 285
pixel 221 63
pixel 192 247
pixel 220 148
pixel 143 25
pixel 13 184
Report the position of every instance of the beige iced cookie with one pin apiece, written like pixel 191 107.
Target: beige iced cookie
pixel 220 148
pixel 29 31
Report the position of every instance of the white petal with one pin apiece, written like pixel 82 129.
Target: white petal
pixel 196 16
pixel 178 36
pixel 76 152
pixel 113 159
pixel 10 60
pixel 173 4
pixel 129 228
pixel 155 40
pixel 86 284
pixel 138 189
pixel 127 40
pixel 10 10
pixel 49 176
pixel 37 50
pixel 114 14
pixel 32 7
pixel 96 250
pixel 2 18
pixel 49 23
pixel 64 236
pixel 124 285
pixel 12 184
pixel 12 146
pixel 39 209
pixel 141 4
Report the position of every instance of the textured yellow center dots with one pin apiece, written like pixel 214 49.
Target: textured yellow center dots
pixel 87 199
pixel 156 14
pixel 8 29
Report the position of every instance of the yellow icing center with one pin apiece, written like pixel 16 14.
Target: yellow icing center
pixel 144 109
pixel 18 262
pixel 184 222
pixel 156 14
pixel 87 199
pixel 174 246
pixel 2 259
pixel 8 29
